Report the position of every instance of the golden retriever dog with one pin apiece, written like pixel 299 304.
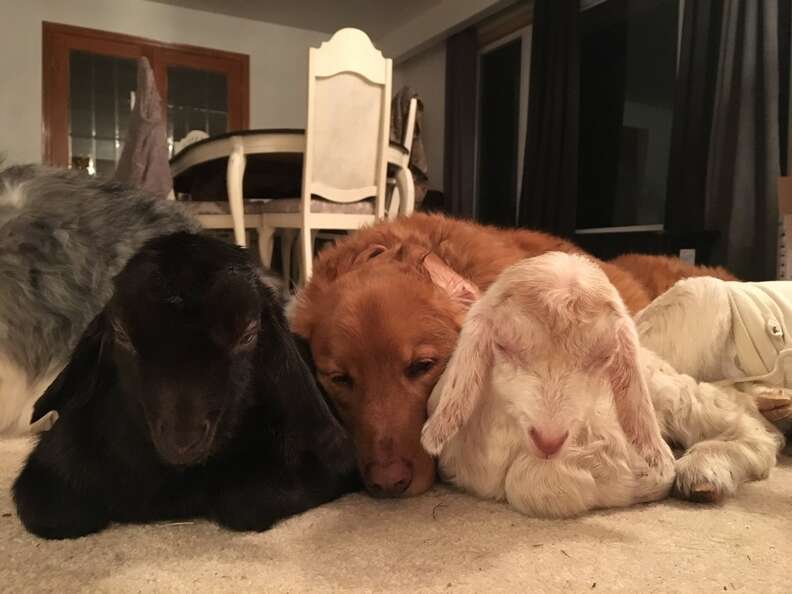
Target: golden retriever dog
pixel 382 314
pixel 657 274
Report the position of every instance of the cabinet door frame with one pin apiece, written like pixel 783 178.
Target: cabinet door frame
pixel 59 40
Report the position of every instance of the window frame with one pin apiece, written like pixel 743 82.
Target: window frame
pixel 58 40
pixel 507 26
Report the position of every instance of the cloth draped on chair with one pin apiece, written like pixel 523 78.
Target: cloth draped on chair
pixel 144 158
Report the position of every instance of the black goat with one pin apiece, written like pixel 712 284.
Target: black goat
pixel 187 396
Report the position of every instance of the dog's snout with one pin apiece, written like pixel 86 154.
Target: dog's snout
pixel 548 443
pixel 390 479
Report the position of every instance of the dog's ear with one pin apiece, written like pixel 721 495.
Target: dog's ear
pixel 462 382
pixel 459 289
pixel 370 252
pixel 89 371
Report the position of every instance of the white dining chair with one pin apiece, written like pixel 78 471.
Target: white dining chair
pixel 346 137
pixel 393 208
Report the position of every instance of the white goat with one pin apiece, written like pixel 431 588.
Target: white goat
pixel 550 403
pixel 728 332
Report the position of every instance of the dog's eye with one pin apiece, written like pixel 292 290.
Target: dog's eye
pixel 341 379
pixel 418 368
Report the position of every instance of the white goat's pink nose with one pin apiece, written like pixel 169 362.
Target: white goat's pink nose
pixel 548 444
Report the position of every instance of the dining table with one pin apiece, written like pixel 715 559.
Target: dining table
pixel 265 164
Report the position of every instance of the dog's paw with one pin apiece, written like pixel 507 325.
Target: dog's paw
pixel 704 476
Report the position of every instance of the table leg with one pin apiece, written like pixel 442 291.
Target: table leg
pixel 234 176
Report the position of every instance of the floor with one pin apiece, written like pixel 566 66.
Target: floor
pixel 441 542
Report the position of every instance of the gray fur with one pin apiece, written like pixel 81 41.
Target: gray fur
pixel 63 237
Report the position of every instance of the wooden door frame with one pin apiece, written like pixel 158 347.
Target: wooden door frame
pixel 58 40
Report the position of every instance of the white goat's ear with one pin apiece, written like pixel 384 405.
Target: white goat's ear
pixel 633 402
pixel 458 288
pixel 463 382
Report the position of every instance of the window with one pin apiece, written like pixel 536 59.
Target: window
pixel 628 60
pixel 504 61
pixel 89 84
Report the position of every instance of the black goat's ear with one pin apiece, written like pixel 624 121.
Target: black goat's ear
pixel 88 371
pixel 304 349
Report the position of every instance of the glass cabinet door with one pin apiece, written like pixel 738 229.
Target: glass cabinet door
pixel 101 92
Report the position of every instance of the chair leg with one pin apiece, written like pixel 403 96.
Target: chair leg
pixel 265 239
pixel 406 186
pixel 395 202
pixel 287 245
pixel 306 255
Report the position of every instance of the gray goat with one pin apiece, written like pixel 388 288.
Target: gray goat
pixel 63 237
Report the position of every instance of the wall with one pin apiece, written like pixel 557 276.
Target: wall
pixel 278 58
pixel 436 23
pixel 425 73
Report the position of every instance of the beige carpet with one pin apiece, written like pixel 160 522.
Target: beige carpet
pixel 444 541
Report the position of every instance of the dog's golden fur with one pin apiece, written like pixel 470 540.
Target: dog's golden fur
pixel 657 274
pixel 382 313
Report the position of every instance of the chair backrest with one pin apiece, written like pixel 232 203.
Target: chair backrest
pixel 349 85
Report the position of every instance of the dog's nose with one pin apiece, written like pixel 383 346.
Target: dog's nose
pixel 389 480
pixel 547 443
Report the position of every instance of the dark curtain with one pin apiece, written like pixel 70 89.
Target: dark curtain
pixel 744 156
pixel 693 104
pixel 549 187
pixel 784 41
pixel 460 123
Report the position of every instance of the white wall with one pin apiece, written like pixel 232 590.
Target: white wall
pixel 425 73
pixel 435 24
pixel 278 58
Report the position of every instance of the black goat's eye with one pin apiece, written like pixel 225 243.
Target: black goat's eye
pixel 418 368
pixel 122 338
pixel 341 379
pixel 248 338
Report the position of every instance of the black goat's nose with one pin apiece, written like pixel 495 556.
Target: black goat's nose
pixel 191 439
